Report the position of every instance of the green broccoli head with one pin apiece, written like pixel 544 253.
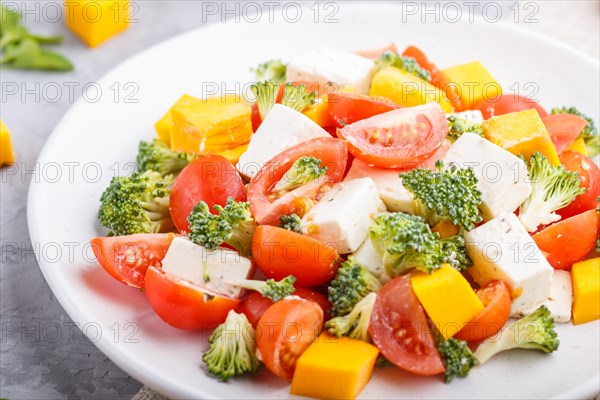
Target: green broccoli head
pixel 265 94
pixel 458 126
pixel 156 156
pixel 405 242
pixel 273 70
pixel 138 203
pixel 552 188
pixel 446 194
pixel 355 324
pixel 233 225
pixel 589 133
pixel 408 64
pixel 535 331
pixel 271 289
pixel 304 170
pixel 457 358
pixel 296 97
pixel 291 223
pixel 454 252
pixel 350 285
pixel 232 348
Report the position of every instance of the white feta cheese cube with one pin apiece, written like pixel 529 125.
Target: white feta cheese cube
pixel 560 301
pixel 325 64
pixel 389 185
pixel 502 249
pixel 474 116
pixel 211 270
pixel 368 257
pixel 502 177
pixel 282 129
pixel 343 215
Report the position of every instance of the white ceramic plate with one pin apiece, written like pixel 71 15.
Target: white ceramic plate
pixel 102 138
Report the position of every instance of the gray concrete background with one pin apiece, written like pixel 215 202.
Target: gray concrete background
pixel 42 355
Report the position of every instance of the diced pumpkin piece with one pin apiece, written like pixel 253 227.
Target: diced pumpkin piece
pixel 445 229
pixel 7 156
pixel 233 155
pixel 334 368
pixel 579 146
pixel 406 89
pixel 521 133
pixel 217 121
pixel 163 128
pixel 586 290
pixel 447 298
pixel 473 82
pixel 96 21
pixel 319 113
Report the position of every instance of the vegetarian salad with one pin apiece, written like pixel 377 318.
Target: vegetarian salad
pixel 362 209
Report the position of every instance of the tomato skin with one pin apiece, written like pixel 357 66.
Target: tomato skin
pixel 278 253
pixel 495 296
pixel 297 319
pixel 212 179
pixel 506 103
pixel 563 129
pixel 374 54
pixel 400 330
pixel 126 258
pixel 182 305
pixel 399 138
pixel 589 174
pixel 332 153
pixel 254 305
pixel 346 108
pixel 568 241
pixel 255 117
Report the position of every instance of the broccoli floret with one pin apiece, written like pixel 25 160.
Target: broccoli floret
pixel 454 252
pixel 351 284
pixel 232 348
pixel 270 288
pixel 535 331
pixel 405 242
pixel 138 203
pixel 552 188
pixel 156 156
pixel 304 170
pixel 265 94
pixel 589 134
pixel 446 194
pixel 458 126
pixel 296 97
pixel 355 324
pixel 233 225
pixel 457 358
pixel 408 64
pixel 273 70
pixel 291 223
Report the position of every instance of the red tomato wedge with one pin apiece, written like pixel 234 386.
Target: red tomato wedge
pixel 568 241
pixel 506 103
pixel 255 305
pixel 211 179
pixel 347 108
pixel 495 296
pixel 400 329
pixel 563 129
pixel 183 305
pixel 589 175
pixel 374 54
pixel 399 138
pixel 267 208
pixel 278 253
pixel 438 79
pixel 285 331
pixel 126 258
